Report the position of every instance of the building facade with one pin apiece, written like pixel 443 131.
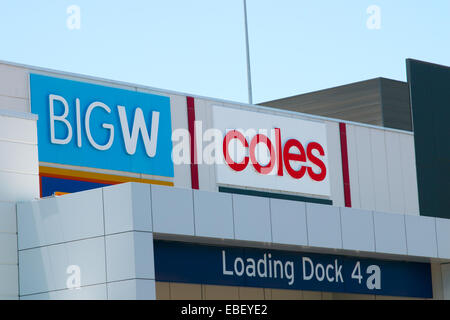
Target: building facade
pixel 112 190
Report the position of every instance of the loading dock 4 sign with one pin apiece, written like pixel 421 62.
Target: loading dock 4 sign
pixel 250 267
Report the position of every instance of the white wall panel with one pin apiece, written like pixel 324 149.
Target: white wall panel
pixel 357 229
pixel 324 226
pixel 129 255
pixel 45 269
pixel 8 248
pixel 335 163
pixel 212 169
pixel 60 219
pixel 9 280
pixel 288 222
pixel 95 292
pixel 251 218
pixel 19 178
pixel 127 207
pixel 409 174
pixel 365 167
pixel 394 171
pixel 178 111
pixel 390 233
pixel 13 103
pixel 8 217
pixel 213 214
pixel 13 81
pixel 353 166
pixel 18 186
pixel 19 157
pixel 206 172
pixel 17 129
pixel 172 210
pixel 421 236
pixel 379 167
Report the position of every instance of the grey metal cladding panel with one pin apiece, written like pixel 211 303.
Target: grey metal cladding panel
pixel 372 84
pixel 129 255
pixel 213 214
pixel 366 114
pixel 390 233
pixel 359 102
pixel 357 229
pixel 324 226
pixel 252 218
pixel 332 102
pixel 396 106
pixel 331 99
pixel 370 114
pixel 45 269
pixel 397 124
pixel 169 216
pixel 421 236
pixel 288 221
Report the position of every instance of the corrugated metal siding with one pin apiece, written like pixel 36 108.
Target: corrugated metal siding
pixel 382 170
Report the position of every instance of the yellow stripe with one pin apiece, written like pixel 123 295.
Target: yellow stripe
pixel 98 176
pixel 59 193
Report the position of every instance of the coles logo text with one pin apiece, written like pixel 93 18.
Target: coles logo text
pixel 283 153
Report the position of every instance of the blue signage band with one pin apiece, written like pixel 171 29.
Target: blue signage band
pixel 250 267
pixel 89 125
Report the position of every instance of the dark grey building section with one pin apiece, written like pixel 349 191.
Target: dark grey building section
pixel 395 104
pixel 430 100
pixel 378 101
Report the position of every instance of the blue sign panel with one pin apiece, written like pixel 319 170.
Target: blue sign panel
pixel 50 185
pixel 89 125
pixel 233 266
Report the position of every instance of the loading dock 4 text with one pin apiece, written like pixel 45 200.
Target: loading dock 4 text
pixel 268 267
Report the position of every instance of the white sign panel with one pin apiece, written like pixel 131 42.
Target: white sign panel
pixel 266 151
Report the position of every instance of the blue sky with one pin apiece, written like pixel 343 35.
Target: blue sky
pixel 197 46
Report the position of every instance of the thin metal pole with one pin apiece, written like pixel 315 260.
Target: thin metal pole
pixel 249 76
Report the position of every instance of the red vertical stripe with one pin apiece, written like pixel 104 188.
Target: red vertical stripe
pixel 345 171
pixel 40 186
pixel 191 126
